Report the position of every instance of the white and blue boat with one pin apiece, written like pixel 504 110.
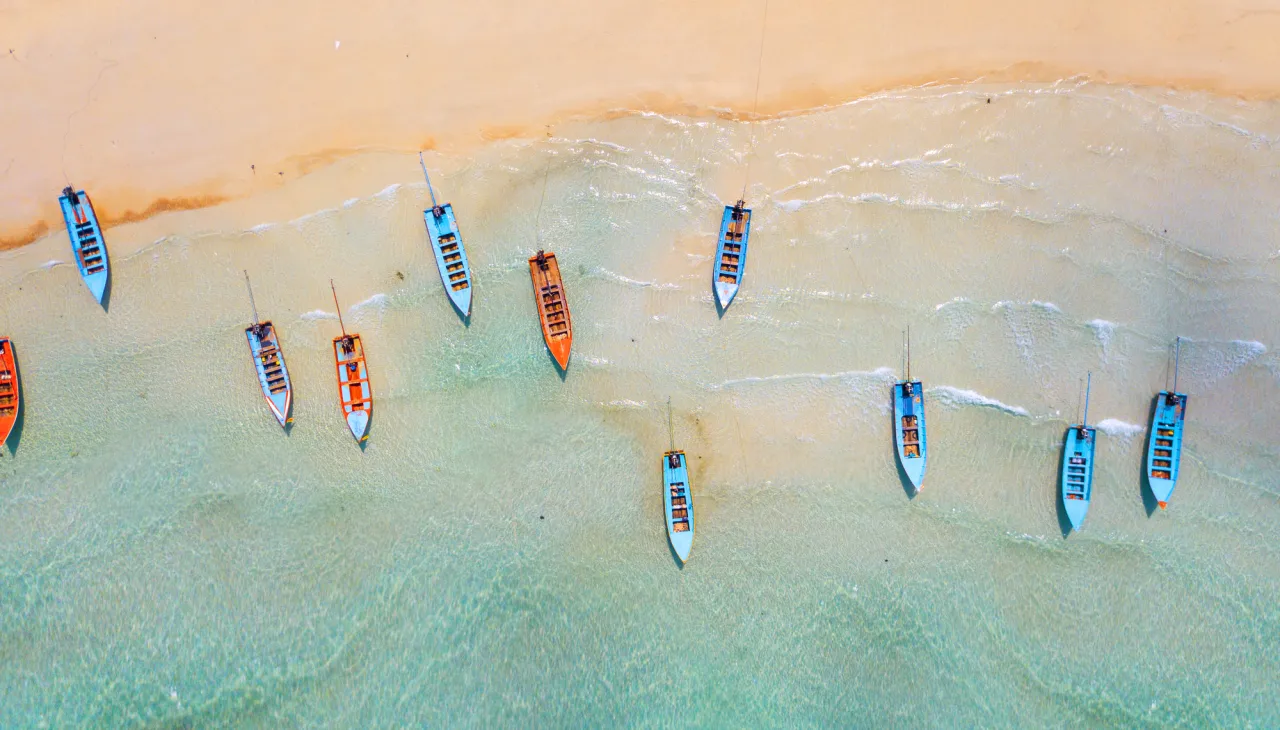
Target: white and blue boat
pixel 908 424
pixel 451 255
pixel 87 244
pixel 1077 465
pixel 1164 452
pixel 731 252
pixel 268 360
pixel 677 499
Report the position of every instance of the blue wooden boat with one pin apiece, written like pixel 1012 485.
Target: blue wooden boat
pixel 731 252
pixel 268 360
pixel 677 499
pixel 451 255
pixel 355 395
pixel 1077 466
pixel 1164 452
pixel 87 244
pixel 908 425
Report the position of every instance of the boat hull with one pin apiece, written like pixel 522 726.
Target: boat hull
pixel 273 374
pixel 1078 448
pixel 87 245
pixel 731 254
pixel 10 390
pixel 451 256
pixel 677 500
pixel 1164 451
pixel 553 307
pixel 909 430
pixel 355 394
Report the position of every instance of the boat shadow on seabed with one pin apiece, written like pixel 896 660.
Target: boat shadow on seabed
pixel 1064 522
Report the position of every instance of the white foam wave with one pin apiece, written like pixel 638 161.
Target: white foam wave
pixel 607 274
pixel 1034 303
pixel 389 191
pixel 884 374
pixel 960 398
pixel 593 361
pixel 262 228
pixel 51 263
pixel 377 301
pixel 1116 428
pixel 316 314
pixel 921 203
pixel 951 302
pixel 631 404
pixel 1103 330
pixel 350 202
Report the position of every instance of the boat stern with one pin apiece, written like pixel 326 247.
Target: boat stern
pixel 725 292
pixel 914 469
pixel 280 403
pixel 358 422
pixel 1076 510
pixel 560 350
pixel 462 301
pixel 681 544
pixel 1161 489
pixel 97 284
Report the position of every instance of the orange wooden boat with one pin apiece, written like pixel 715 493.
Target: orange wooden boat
pixel 353 378
pixel 8 390
pixel 553 307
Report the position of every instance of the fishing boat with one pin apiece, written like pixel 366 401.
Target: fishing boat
pixel 446 243
pixel 1164 452
pixel 676 497
pixel 87 243
pixel 553 307
pixel 908 423
pixel 731 252
pixel 268 359
pixel 10 392
pixel 1077 465
pixel 354 391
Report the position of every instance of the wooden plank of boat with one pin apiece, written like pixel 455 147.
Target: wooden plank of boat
pixel 553 306
pixel 354 391
pixel 678 503
pixel 268 360
pixel 87 245
pixel 1078 450
pixel 451 255
pixel 908 422
pixel 731 252
pixel 1164 451
pixel 10 390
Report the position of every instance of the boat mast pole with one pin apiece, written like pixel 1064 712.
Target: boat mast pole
pixel 252 304
pixel 428 177
pixel 337 307
pixel 671 430
pixel 908 353
pixel 1177 351
pixel 1087 386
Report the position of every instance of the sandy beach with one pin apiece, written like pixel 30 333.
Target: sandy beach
pixel 155 106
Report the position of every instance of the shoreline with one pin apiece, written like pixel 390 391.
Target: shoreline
pixel 151 112
pixel 140 204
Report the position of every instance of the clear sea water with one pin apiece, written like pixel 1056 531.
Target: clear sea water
pixel 496 556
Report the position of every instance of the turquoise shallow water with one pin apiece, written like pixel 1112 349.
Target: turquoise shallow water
pixel 169 558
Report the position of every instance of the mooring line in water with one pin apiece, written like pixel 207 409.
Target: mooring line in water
pixel 537 223
pixel 755 104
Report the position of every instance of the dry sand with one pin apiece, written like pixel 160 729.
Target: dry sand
pixel 154 105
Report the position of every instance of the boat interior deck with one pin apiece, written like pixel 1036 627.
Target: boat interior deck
pixel 679 501
pixel 1075 484
pixel 349 352
pixel 551 301
pixel 730 265
pixel 269 358
pixel 8 382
